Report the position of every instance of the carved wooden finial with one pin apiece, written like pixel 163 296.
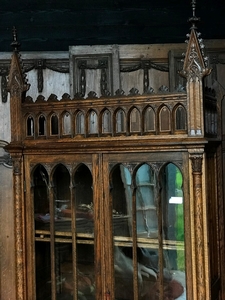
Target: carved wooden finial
pixel 193 4
pixel 194 69
pixel 195 62
pixel 193 20
pixel 17 86
pixel 15 44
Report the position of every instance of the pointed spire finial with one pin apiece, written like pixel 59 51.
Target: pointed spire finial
pixel 15 44
pixel 193 4
pixel 193 20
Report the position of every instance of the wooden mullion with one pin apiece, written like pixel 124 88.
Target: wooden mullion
pixel 30 232
pixel 134 235
pixel 52 243
pixel 74 237
pixel 160 239
pixel 98 227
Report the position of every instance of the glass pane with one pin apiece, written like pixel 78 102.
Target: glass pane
pixel 122 201
pixel 85 271
pixel 135 120
pixel 64 271
pixel 121 194
pixel 180 118
pixel 80 123
pixel 93 122
pixel 173 230
pixel 41 125
pixel 164 117
pixel 149 119
pixel 61 194
pixel 120 121
pixel 106 122
pixel 147 221
pixel 54 125
pixel 85 233
pixel 41 198
pixel 43 271
pixel 147 232
pixel 148 254
pixel 67 123
pixel 84 200
pixel 30 126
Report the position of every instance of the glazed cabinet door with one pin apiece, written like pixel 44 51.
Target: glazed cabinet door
pixel 145 214
pixel 106 226
pixel 62 209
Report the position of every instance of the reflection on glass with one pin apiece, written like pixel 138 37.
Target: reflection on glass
pixel 67 123
pixel 63 271
pixel 85 272
pixel 121 191
pixel 30 126
pixel 122 211
pixel 41 197
pixel 120 121
pixel 149 256
pixel 93 122
pixel 147 231
pixel 42 125
pixel 149 119
pixel 84 200
pixel 43 270
pixel 64 259
pixel 180 118
pixel 62 204
pixel 106 121
pixel 54 124
pixel 79 123
pixel 85 229
pixel 147 225
pixel 135 120
pixel 173 232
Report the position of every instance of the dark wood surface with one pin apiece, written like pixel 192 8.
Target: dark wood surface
pixel 55 25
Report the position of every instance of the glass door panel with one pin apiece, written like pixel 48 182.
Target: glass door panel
pixel 64 233
pixel 62 199
pixel 40 185
pixel 173 232
pixel 149 259
pixel 43 270
pixel 84 214
pixel 121 194
pixel 146 210
pixel 84 201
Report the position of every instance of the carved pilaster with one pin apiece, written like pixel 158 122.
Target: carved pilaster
pixel 198 225
pixel 19 226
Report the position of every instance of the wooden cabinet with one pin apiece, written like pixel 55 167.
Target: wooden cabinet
pixel 111 193
pixel 105 216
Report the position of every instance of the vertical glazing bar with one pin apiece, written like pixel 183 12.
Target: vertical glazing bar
pixel 101 274
pixel 73 230
pixel 160 240
pixel 134 234
pixel 52 242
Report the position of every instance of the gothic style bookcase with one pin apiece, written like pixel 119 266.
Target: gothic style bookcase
pixel 118 197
